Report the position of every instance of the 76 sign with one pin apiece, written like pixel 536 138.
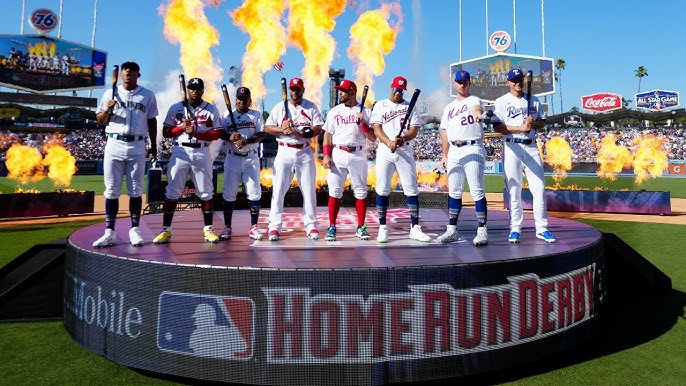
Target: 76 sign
pixel 500 41
pixel 43 20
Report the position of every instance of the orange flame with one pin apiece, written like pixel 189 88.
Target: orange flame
pixel 61 164
pixel 559 156
pixel 650 158
pixel 372 38
pixel 185 23
pixel 309 25
pixel 24 163
pixel 612 158
pixel 261 19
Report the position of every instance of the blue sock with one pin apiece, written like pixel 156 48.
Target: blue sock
pixel 111 210
pixel 381 208
pixel 413 205
pixel 481 208
pixel 454 208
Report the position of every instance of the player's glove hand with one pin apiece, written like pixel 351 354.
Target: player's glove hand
pixel 234 137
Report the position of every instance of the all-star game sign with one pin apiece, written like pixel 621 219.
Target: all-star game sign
pixel 43 20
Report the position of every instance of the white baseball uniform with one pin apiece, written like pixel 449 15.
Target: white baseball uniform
pixel 520 154
pixel 466 154
pixel 189 154
pixel 294 156
pixel 243 164
pixel 127 134
pixel 390 116
pixel 348 153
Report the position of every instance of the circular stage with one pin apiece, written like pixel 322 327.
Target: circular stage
pixel 348 312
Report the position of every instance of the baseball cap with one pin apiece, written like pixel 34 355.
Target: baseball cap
pixel 196 84
pixel 133 66
pixel 399 82
pixel 296 82
pixel 515 73
pixel 243 92
pixel 461 75
pixel 347 85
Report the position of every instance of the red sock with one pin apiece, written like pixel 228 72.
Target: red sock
pixel 334 207
pixel 361 209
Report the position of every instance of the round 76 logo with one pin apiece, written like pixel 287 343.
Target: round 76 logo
pixel 43 20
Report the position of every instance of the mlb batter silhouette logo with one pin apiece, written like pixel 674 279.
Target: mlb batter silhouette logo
pixel 206 325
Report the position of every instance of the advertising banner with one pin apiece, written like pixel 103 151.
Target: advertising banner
pixel 657 100
pixel 601 102
pixel 45 64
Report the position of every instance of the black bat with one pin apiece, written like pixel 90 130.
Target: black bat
pixel 413 101
pixel 487 116
pixel 115 78
pixel 529 78
pixel 284 95
pixel 227 100
pixel 364 97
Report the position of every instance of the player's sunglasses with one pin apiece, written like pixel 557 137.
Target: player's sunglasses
pixel 462 82
pixel 395 90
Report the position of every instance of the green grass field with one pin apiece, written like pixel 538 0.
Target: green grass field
pixel 643 344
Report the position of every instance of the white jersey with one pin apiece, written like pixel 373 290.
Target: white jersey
pixel 306 114
pixel 391 116
pixel 459 121
pixel 511 111
pixel 206 115
pixel 341 123
pixel 248 123
pixel 131 112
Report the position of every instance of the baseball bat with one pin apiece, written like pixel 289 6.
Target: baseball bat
pixel 413 101
pixel 529 78
pixel 284 95
pixel 227 100
pixel 115 78
pixel 364 97
pixel 184 98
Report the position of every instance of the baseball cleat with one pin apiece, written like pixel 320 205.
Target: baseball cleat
pixel 106 239
pixel 313 234
pixel 255 233
pixel 382 237
pixel 547 236
pixel 135 237
pixel 417 234
pixel 450 235
pixel 513 237
pixel 210 236
pixel 226 234
pixel 481 236
pixel 274 235
pixel 164 237
pixel 331 233
pixel 362 233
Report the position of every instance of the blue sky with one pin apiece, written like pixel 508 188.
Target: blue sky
pixel 602 42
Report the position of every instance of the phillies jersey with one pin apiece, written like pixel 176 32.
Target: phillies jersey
pixel 248 123
pixel 459 121
pixel 131 112
pixel 511 111
pixel 391 115
pixel 341 123
pixel 206 116
pixel 307 114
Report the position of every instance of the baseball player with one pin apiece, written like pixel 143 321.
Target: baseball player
pixel 395 152
pixel 192 125
pixel 463 155
pixel 518 121
pixel 345 133
pixel 130 116
pixel 242 162
pixel 295 155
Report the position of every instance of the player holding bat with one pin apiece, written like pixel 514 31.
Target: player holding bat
pixel 517 116
pixel 395 126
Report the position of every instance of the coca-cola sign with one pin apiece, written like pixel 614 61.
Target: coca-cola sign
pixel 601 102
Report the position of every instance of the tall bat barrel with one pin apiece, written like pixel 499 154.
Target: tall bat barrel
pixel 227 100
pixel 284 96
pixel 413 101
pixel 115 78
pixel 364 97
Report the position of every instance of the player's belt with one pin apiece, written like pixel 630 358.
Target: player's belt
pixel 237 154
pixel 525 141
pixel 463 143
pixel 126 137
pixel 194 145
pixel 349 149
pixel 293 145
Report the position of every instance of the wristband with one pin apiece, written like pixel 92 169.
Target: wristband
pixel 365 128
pixel 327 150
pixel 178 130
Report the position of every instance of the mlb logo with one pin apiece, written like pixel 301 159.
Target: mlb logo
pixel 206 325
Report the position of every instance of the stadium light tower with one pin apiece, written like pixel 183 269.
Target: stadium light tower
pixel 335 80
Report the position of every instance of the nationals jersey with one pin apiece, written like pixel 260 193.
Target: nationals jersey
pixel 391 116
pixel 307 114
pixel 248 123
pixel 341 123
pixel 511 111
pixel 459 121
pixel 206 118
pixel 131 112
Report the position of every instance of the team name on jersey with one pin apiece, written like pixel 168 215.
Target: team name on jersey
pixel 513 111
pixel 133 105
pixel 341 120
pixel 391 115
pixel 455 112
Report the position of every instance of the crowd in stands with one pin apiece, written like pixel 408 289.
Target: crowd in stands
pixel 89 144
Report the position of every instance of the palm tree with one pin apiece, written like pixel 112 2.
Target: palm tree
pixel 625 103
pixel 640 72
pixel 560 65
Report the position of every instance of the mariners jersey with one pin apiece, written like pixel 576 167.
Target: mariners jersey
pixel 459 121
pixel 511 111
pixel 206 118
pixel 248 123
pixel 391 115
pixel 131 112
pixel 307 114
pixel 341 123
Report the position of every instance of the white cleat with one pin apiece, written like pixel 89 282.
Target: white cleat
pixel 383 234
pixel 417 234
pixel 451 235
pixel 481 236
pixel 135 237
pixel 107 239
